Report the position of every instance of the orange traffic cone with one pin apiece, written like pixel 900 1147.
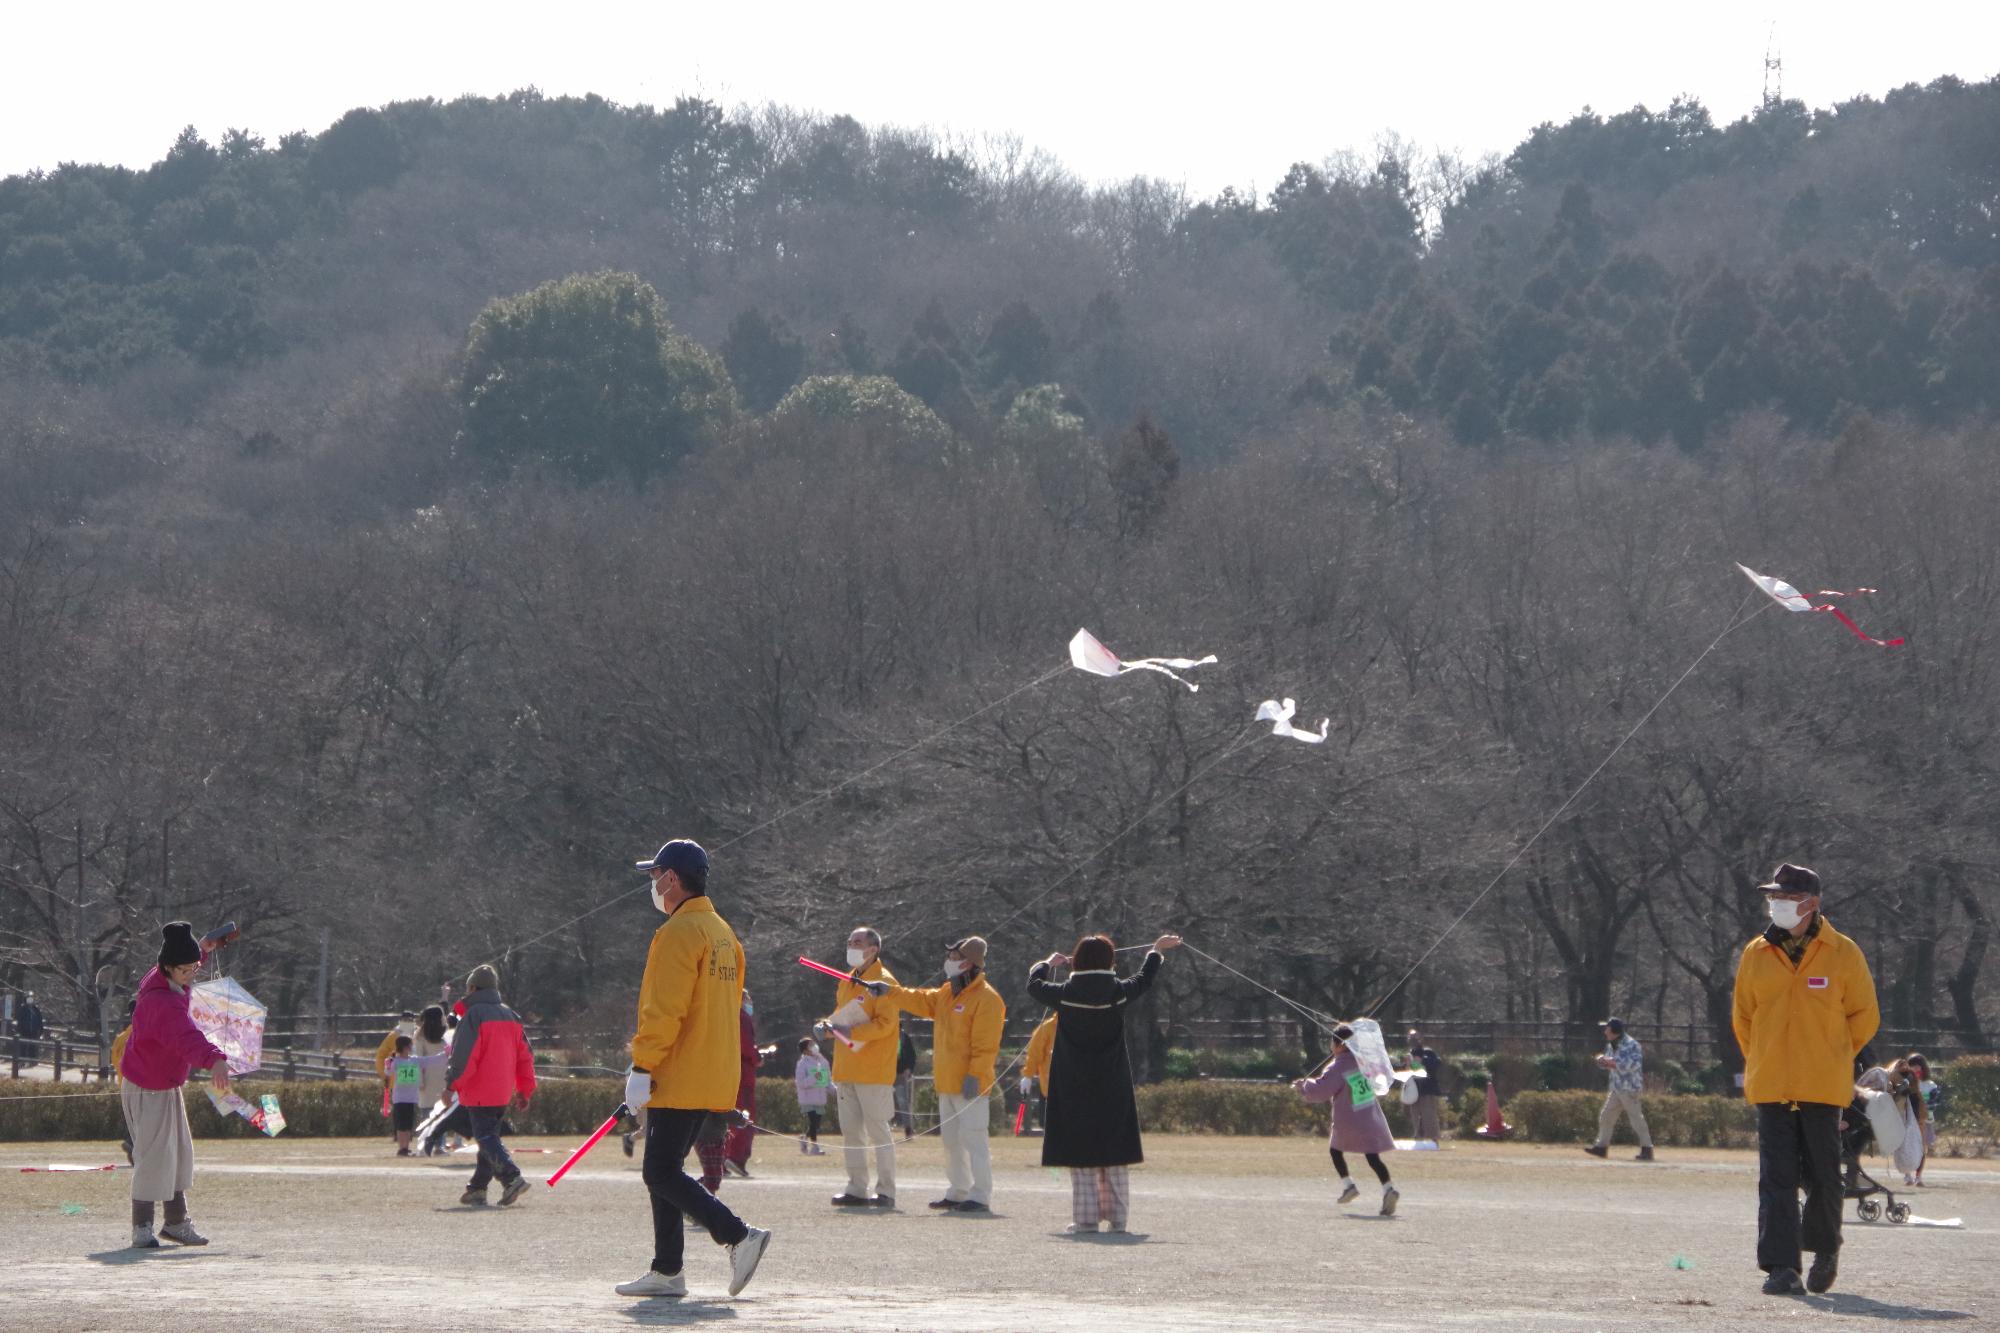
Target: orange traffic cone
pixel 1495 1127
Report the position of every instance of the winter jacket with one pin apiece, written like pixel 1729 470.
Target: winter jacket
pixel 490 1060
pixel 408 1072
pixel 1035 1064
pixel 811 1080
pixel 875 1062
pixel 1800 1027
pixel 430 1090
pixel 1354 1127
pixel 1093 1117
pixel 165 1042
pixel 690 1010
pixel 1432 1083
pixel 966 1039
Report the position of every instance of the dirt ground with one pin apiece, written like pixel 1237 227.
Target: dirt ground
pixel 313 1234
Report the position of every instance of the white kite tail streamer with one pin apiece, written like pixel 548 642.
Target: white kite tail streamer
pixel 1737 620
pixel 1280 715
pixel 1087 653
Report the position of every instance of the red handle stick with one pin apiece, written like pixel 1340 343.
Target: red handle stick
pixel 588 1144
pixel 833 972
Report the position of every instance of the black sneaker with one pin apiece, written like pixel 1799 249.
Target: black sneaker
pixel 948 1205
pixel 973 1206
pixel 1598 1150
pixel 1783 1282
pixel 1644 1155
pixel 1820 1276
pixel 883 1201
pixel 849 1201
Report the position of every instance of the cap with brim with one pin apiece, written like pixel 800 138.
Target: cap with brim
pixel 971 946
pixel 1789 878
pixel 682 854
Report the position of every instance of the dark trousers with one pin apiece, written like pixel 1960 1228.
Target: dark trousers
pixel 1797 1147
pixel 1374 1163
pixel 493 1156
pixel 670 1134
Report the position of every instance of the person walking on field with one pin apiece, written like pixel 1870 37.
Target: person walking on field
pixel 1093 1116
pixel 164 1048
pixel 740 1137
pixel 864 1075
pixel 686 1065
pixel 1804 1007
pixel 968 1016
pixel 811 1078
pixel 1357 1123
pixel 491 1070
pixel 1626 1061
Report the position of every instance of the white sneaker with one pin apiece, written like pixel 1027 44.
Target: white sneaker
pixel 804 1149
pixel 1389 1196
pixel 144 1239
pixel 1350 1194
pixel 183 1233
pixel 743 1257
pixel 654 1284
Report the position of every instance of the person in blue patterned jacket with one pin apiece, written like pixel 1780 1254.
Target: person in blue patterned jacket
pixel 1627 1063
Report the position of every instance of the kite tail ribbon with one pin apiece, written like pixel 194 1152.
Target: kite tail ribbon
pixel 1857 631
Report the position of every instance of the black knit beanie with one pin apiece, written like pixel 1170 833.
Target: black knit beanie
pixel 178 944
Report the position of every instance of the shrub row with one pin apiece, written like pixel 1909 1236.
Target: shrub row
pixel 1974 1084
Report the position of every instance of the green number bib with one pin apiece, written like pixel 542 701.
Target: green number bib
pixel 408 1076
pixel 1360 1089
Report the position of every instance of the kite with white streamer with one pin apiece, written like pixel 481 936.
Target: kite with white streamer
pixel 1087 654
pixel 1279 715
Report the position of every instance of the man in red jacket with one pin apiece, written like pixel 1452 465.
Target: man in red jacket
pixel 491 1069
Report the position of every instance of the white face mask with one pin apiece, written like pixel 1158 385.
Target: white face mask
pixel 813 1049
pixel 658 901
pixel 954 967
pixel 856 957
pixel 1785 913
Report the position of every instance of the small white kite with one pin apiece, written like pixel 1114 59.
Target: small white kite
pixel 1087 654
pixel 1279 715
pixel 1785 595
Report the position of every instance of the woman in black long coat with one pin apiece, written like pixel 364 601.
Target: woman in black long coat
pixel 1093 1118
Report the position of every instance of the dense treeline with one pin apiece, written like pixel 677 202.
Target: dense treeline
pixel 402 527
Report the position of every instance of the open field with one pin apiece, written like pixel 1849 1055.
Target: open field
pixel 313 1234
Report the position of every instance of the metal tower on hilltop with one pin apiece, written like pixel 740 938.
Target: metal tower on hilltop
pixel 1774 70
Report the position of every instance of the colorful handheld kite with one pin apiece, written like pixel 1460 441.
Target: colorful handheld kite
pixel 1785 595
pixel 230 1017
pixel 1279 715
pixel 1087 654
pixel 266 1117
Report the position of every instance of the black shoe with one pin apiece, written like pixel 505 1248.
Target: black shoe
pixel 1645 1155
pixel 948 1205
pixel 1598 1150
pixel 883 1201
pixel 973 1206
pixel 1783 1282
pixel 1820 1276
pixel 627 1141
pixel 849 1201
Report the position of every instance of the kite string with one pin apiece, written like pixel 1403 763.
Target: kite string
pixel 1312 1015
pixel 1733 625
pixel 808 802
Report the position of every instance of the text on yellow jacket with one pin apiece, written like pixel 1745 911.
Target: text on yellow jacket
pixel 1040 1047
pixel 689 1005
pixel 966 1038
pixel 875 1062
pixel 1800 1027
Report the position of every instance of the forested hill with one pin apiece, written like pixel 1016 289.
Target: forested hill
pixel 1647 273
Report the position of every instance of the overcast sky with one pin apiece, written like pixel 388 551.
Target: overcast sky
pixel 1209 95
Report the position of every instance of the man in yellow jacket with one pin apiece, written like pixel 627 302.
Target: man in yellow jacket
pixel 1035 1067
pixel 1805 1006
pixel 968 1015
pixel 685 1062
pixel 864 1073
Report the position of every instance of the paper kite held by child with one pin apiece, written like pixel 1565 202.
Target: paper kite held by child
pixel 1279 715
pixel 1785 595
pixel 1087 654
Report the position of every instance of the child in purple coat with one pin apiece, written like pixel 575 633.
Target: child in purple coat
pixel 1358 1123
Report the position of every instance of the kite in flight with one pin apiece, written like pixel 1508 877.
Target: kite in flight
pixel 1785 595
pixel 1279 715
pixel 1087 654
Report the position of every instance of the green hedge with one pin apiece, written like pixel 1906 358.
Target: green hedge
pixel 1973 1082
pixel 1679 1122
pixel 1227 1108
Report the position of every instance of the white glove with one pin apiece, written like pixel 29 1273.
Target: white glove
pixel 638 1089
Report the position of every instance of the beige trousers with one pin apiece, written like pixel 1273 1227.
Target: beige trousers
pixel 866 1110
pixel 968 1159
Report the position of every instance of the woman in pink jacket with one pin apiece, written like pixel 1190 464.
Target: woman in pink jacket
pixel 164 1047
pixel 1358 1122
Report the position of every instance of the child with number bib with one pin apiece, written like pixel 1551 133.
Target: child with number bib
pixel 406 1085
pixel 1358 1124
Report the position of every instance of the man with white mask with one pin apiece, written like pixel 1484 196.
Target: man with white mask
pixel 1805 1005
pixel 865 1031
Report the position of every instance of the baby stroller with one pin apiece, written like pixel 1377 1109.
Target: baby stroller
pixel 1856 1184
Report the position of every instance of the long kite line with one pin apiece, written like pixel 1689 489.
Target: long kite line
pixel 1733 625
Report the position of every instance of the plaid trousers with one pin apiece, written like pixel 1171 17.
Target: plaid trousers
pixel 1100 1191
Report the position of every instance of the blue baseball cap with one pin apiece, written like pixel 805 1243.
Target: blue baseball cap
pixel 680 855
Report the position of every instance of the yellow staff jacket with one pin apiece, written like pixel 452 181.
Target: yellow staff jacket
pixel 690 1002
pixel 875 1062
pixel 967 1036
pixel 1040 1047
pixel 1800 1027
